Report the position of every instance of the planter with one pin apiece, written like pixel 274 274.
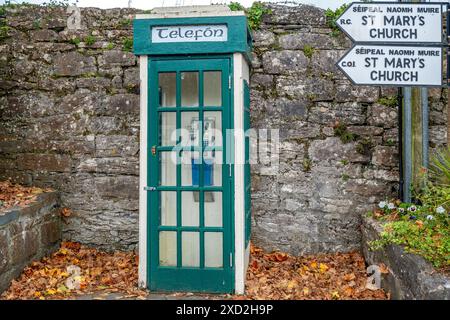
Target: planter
pixel 27 234
pixel 410 276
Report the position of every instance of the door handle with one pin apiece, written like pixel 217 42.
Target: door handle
pixel 150 188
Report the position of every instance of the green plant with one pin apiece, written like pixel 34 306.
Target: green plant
pixel 37 24
pixel 307 163
pixel 127 44
pixel 308 51
pixel 388 101
pixel 75 41
pixel 236 6
pixel 344 162
pixel 390 142
pixel 439 168
pixel 332 16
pixel 125 22
pixel 60 3
pixel 4 32
pixel 432 242
pixel 363 147
pixel 110 46
pixel 422 228
pixel 345 177
pixel 90 40
pixel 254 13
pixel 340 130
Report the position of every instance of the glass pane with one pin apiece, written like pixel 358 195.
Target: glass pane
pixel 168 174
pixel 190 209
pixel 168 208
pixel 212 173
pixel 167 89
pixel 212 126
pixel 189 89
pixel 190 168
pixel 190 126
pixel 168 125
pixel 167 248
pixel 190 256
pixel 212 88
pixel 213 209
pixel 213 249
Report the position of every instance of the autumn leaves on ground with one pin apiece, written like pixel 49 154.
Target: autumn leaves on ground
pixel 78 270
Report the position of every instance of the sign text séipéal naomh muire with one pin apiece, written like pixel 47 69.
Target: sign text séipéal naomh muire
pixel 392 22
pixel 193 33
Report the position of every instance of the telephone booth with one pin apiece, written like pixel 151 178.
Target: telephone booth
pixel 194 214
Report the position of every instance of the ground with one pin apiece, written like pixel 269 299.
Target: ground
pixel 76 271
pixel 111 276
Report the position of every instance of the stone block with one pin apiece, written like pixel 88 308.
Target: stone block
pixel 4 250
pixel 116 58
pixel 73 64
pixel 117 187
pixel 44 162
pixel 385 156
pixel 285 62
pixel 384 116
pixel 50 232
pixel 332 150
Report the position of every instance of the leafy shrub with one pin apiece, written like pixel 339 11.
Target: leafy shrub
pixel 127 44
pixel 340 130
pixel 332 16
pixel 254 13
pixel 439 168
pixel 388 101
pixel 90 40
pixel 423 229
pixel 308 51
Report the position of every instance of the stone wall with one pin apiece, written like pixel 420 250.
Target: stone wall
pixel 27 234
pixel 69 114
pixel 313 202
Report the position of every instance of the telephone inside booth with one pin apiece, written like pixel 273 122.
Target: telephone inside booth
pixel 209 155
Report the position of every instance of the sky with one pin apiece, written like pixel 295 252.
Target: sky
pixel 149 4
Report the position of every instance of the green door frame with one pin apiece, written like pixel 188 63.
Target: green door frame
pixel 203 279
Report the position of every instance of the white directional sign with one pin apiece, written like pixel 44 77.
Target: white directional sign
pixel 393 65
pixel 392 22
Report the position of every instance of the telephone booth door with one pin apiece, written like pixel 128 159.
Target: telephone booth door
pixel 189 206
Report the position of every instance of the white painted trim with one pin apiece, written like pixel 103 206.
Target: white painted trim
pixel 143 75
pixel 190 12
pixel 239 159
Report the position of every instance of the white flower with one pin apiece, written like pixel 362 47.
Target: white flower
pixel 401 210
pixel 382 204
pixel 391 206
pixel 440 210
pixel 430 217
pixel 412 208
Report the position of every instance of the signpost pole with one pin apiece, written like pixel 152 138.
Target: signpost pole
pixel 448 75
pixel 418 124
pixel 407 150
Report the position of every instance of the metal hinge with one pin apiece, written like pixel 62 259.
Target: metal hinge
pixel 149 188
pixel 229 82
pixel 231 259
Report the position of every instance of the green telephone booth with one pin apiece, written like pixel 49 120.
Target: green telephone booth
pixel 194 220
